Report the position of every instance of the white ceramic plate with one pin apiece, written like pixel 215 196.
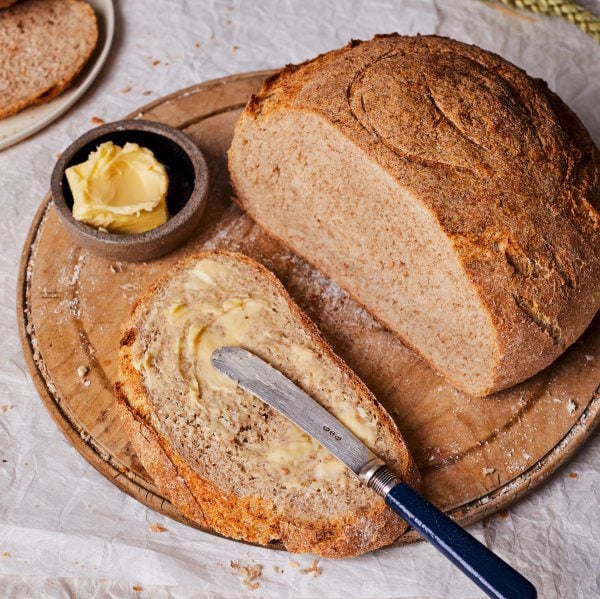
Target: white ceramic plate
pixel 25 123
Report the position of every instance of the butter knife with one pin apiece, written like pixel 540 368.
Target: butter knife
pixel 492 574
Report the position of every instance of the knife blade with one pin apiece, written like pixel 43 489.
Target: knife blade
pixel 260 379
pixel 492 574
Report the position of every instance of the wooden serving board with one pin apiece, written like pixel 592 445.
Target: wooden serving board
pixel 476 455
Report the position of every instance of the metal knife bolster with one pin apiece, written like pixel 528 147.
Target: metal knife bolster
pixel 266 383
pixel 382 481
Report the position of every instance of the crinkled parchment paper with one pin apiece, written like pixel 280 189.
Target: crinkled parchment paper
pixel 64 529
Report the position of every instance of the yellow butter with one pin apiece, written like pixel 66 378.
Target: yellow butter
pixel 293 453
pixel 352 417
pixel 121 190
pixel 209 315
pixel 229 327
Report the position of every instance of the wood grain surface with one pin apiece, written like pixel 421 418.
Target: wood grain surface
pixel 476 455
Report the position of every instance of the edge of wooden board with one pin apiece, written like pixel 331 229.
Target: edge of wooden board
pixel 134 486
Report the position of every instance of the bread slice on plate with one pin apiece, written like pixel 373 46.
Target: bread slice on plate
pixel 44 44
pixel 226 459
pixel 453 196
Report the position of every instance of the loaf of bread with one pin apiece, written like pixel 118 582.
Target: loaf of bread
pixel 453 196
pixel 44 44
pixel 226 459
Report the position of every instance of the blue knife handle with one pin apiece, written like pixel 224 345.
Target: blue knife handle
pixel 492 574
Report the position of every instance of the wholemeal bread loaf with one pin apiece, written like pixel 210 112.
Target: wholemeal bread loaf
pixel 43 46
pixel 452 195
pixel 223 457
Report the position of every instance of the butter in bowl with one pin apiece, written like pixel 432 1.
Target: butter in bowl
pixel 131 190
pixel 120 189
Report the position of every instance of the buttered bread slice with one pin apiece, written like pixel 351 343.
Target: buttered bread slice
pixel 223 457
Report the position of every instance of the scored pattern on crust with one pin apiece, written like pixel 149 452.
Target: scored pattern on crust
pixel 506 168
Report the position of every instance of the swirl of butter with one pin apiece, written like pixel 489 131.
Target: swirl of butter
pixel 121 190
pixel 209 313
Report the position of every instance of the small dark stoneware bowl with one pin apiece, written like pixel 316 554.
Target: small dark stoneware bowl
pixel 186 194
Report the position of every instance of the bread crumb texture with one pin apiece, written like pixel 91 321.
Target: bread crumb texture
pixel 251 573
pixel 452 195
pixel 222 456
pixel 51 41
pixel 313 569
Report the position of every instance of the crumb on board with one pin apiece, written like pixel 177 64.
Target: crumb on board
pixel 573 475
pixel 156 527
pixel 312 569
pixel 571 407
pixel 294 564
pixel 487 471
pixel 234 49
pixel 96 120
pixel 82 370
pixel 126 89
pixel 6 554
pixel 278 570
pixel 155 63
pixel 4 409
pixel 137 587
pixel 146 93
pixel 251 574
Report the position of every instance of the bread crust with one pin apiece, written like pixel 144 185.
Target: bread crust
pixel 251 518
pixel 51 87
pixel 522 215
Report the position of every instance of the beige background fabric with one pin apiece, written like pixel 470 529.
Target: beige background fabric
pixel 65 530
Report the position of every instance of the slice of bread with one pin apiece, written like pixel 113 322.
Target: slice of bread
pixel 453 196
pixel 44 44
pixel 223 457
